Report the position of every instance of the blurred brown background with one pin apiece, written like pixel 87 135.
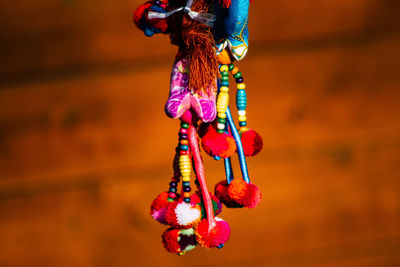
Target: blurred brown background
pixel 85 145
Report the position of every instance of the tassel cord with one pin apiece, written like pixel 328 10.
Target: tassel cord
pixel 198 166
pixel 242 158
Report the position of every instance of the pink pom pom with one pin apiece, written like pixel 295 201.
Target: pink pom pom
pixel 252 143
pixel 217 144
pixel 216 237
pixel 159 207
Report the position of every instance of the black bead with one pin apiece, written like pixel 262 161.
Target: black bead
pixel 172 184
pixel 187 189
pixel 197 182
pixel 183 136
pixel 239 80
pixel 157 2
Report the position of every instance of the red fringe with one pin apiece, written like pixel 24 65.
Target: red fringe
pixel 225 3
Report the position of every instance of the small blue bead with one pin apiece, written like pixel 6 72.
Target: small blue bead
pixel 220 246
pixel 217 157
pixel 148 32
pixel 184 147
pixel 242 123
pixel 172 189
pixel 224 83
pixel 186 183
pixel 187 199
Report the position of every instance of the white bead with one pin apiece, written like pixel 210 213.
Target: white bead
pixel 221 126
pixel 242 112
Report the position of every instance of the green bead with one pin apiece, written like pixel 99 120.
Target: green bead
pixel 237 75
pixel 222 120
pixel 185 125
pixel 231 66
pixel 220 131
pixel 225 73
pixel 225 78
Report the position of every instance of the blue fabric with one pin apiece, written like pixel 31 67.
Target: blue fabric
pixel 232 25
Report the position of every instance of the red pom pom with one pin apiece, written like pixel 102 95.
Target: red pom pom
pixel 179 241
pixel 248 195
pixel 170 240
pixel 216 236
pixel 217 144
pixel 170 216
pixel 139 12
pixel 252 143
pixel 159 207
pixel 221 191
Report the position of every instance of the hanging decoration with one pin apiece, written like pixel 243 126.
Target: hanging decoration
pixel 210 35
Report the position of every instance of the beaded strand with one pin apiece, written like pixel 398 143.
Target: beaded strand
pixel 241 97
pixel 184 161
pixel 223 98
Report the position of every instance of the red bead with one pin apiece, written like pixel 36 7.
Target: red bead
pixel 184 152
pixel 183 131
pixel 172 195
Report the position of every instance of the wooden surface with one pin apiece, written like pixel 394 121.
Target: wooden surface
pixel 85 145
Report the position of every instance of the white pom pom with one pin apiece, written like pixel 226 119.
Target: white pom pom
pixel 186 214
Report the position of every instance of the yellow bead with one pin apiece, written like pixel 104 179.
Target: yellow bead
pixel 184 158
pixel 242 118
pixel 184 142
pixel 241 86
pixel 243 129
pixel 224 89
pixel 223 68
pixel 222 115
pixel 235 70
pixel 222 102
pixel 186 178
